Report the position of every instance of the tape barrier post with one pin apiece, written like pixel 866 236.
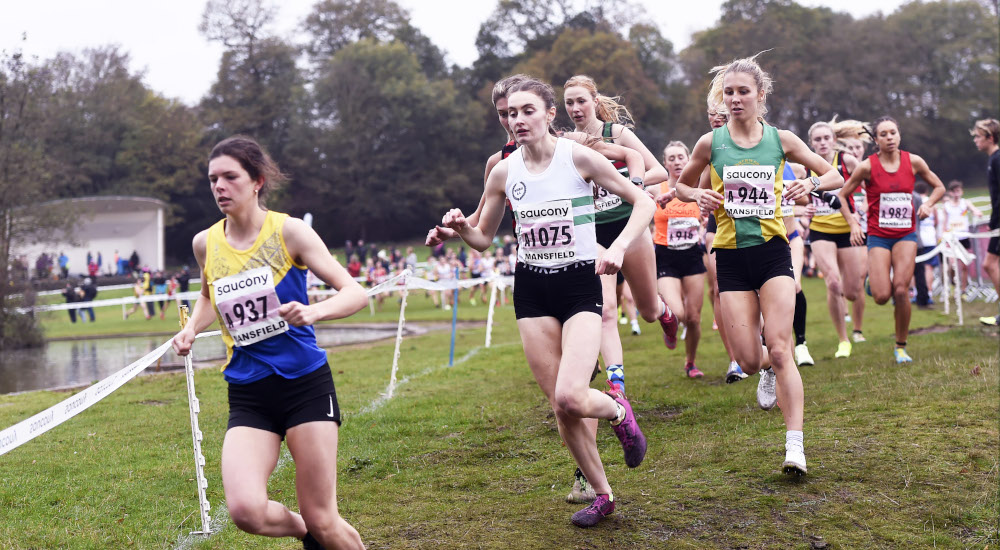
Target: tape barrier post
pixel 958 290
pixel 454 320
pixel 194 407
pixel 489 315
pixel 399 334
pixel 946 293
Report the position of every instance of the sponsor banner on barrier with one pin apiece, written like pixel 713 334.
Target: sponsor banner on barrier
pixel 26 430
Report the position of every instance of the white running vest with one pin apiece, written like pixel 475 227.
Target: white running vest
pixel 554 210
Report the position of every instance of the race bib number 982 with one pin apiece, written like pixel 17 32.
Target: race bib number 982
pixel 895 210
pixel 748 191
pixel 248 306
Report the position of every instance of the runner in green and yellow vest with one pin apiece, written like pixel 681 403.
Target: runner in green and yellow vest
pixel 753 263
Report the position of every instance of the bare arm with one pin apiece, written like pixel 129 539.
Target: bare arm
pixel 695 182
pixel 861 173
pixel 202 316
pixel 633 159
pixel 796 151
pixel 308 249
pixel 480 235
pixel 593 166
pixel 921 169
pixel 654 171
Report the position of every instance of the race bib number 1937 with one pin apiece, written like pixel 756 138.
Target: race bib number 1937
pixel 248 306
pixel 748 191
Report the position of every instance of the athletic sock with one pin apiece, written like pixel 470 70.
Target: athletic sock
pixel 616 373
pixel 799 320
pixel 794 438
pixel 900 344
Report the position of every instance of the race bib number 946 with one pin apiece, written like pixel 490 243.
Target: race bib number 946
pixel 748 191
pixel 546 233
pixel 248 306
pixel 895 210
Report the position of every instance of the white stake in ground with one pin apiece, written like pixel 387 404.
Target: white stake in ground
pixel 399 335
pixel 196 436
pixel 489 316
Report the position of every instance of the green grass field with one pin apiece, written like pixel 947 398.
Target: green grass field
pixel 469 456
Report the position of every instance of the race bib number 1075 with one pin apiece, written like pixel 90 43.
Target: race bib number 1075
pixel 248 306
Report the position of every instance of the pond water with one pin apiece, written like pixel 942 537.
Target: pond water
pixel 62 364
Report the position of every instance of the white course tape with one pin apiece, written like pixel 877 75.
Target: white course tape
pixel 26 430
pixel 951 248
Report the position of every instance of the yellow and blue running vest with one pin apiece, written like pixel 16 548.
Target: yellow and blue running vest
pixel 827 220
pixel 290 354
pixel 744 177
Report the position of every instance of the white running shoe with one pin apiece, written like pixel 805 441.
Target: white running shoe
pixel 635 328
pixel 735 373
pixel 802 356
pixel 847 317
pixel 795 460
pixel 767 397
pixel 684 331
pixel 858 337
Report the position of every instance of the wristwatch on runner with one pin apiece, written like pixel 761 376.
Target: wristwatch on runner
pixel 637 181
pixel 815 182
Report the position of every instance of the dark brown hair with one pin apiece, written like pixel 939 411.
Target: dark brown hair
pixel 254 159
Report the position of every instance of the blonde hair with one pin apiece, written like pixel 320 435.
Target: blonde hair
pixel 680 144
pixel 990 126
pixel 503 86
pixel 607 108
pixel 746 65
pixel 843 129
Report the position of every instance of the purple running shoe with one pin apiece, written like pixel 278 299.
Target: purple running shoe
pixel 628 432
pixel 590 516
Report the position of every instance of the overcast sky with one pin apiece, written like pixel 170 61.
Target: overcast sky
pixel 162 37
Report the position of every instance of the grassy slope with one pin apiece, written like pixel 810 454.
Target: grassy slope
pixel 470 456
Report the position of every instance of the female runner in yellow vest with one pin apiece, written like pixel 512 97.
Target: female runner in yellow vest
pixel 254 265
pixel 843 265
pixel 747 158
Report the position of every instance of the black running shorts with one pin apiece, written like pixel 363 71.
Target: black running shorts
pixel 679 263
pixel 608 232
pixel 276 404
pixel 559 293
pixel 842 240
pixel 747 269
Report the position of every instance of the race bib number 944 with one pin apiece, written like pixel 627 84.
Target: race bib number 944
pixel 248 306
pixel 546 233
pixel 748 191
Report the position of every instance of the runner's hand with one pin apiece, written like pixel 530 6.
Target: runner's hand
pixel 709 201
pixel 438 235
pixel 924 211
pixel 857 235
pixel 297 314
pixel 664 198
pixel 797 189
pixel 455 220
pixel 183 341
pixel 610 261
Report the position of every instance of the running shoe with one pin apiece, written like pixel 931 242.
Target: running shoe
pixel 597 370
pixel 668 321
pixel 636 331
pixel 802 356
pixel 590 516
pixel 715 324
pixel 766 394
pixel 692 371
pixel 684 331
pixel 858 337
pixel 582 491
pixel 628 432
pixel 990 321
pixel 735 373
pixel 843 349
pixel 622 319
pixel 847 317
pixel 868 286
pixel 309 542
pixel 795 460
pixel 901 356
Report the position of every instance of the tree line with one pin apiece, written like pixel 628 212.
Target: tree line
pixel 380 135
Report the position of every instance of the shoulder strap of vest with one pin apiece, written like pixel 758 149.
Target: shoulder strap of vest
pixel 606 132
pixel 508 148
